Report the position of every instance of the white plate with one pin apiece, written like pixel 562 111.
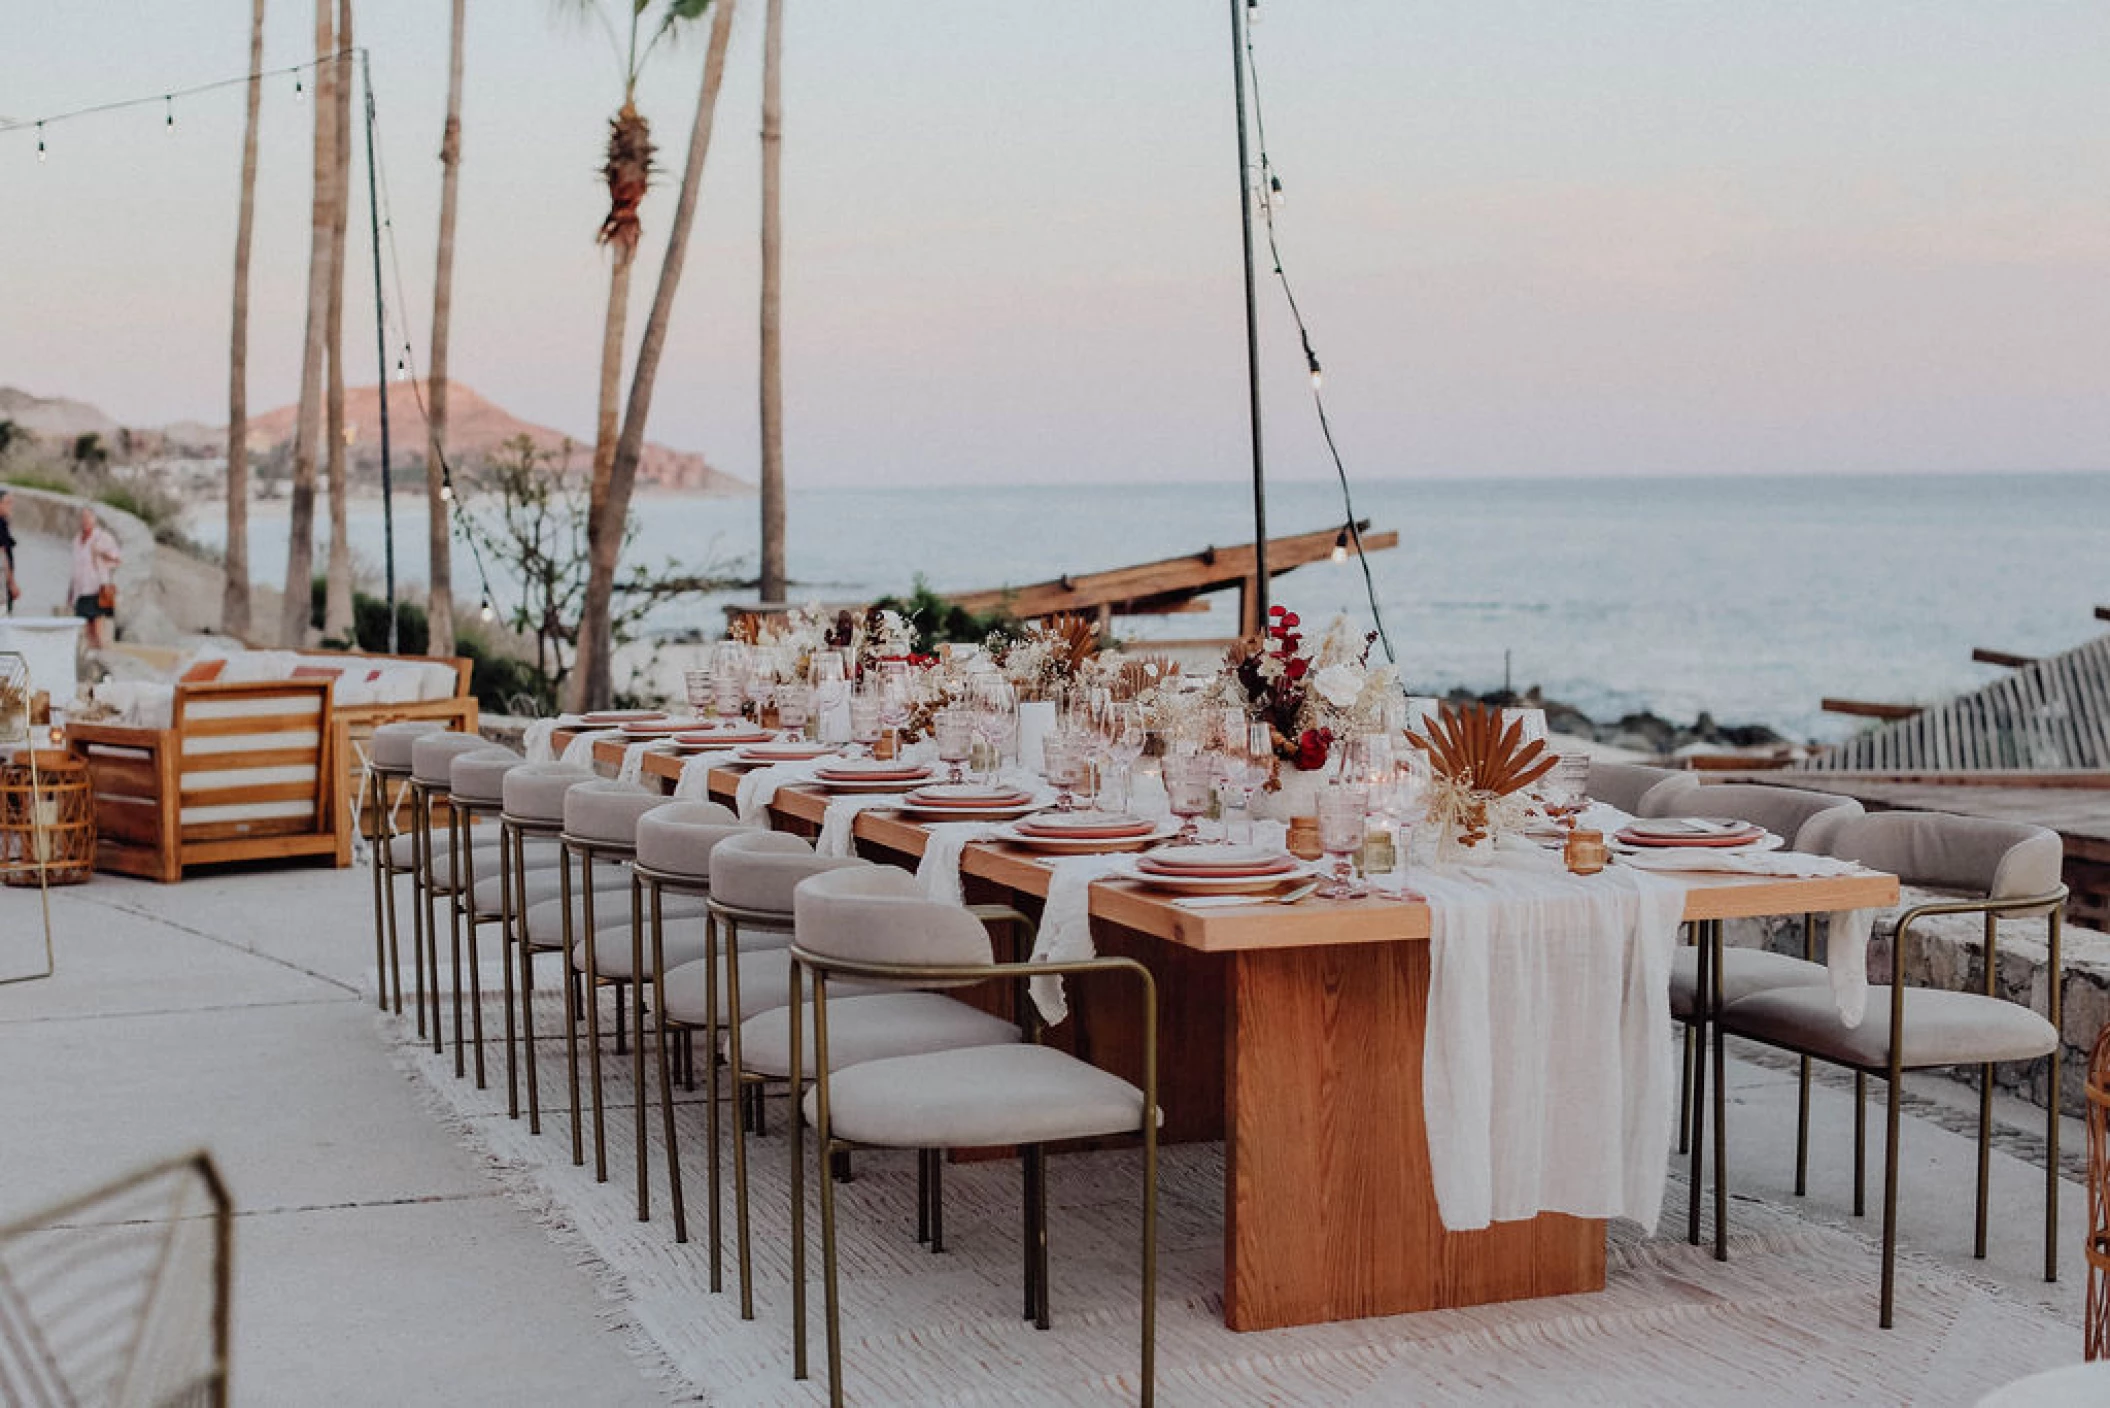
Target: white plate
pixel 1678 828
pixel 1087 845
pixel 613 718
pixel 1766 842
pixel 1215 885
pixel 998 813
pixel 1229 857
pixel 901 784
pixel 764 755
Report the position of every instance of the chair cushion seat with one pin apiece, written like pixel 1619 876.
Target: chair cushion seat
pixel 874 1027
pixel 611 902
pixel 973 1097
pixel 681 940
pixel 542 882
pixel 1941 1028
pixel 765 986
pixel 1744 971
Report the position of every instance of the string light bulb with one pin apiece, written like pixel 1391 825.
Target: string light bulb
pixel 402 370
pixel 1318 376
pixel 446 491
pixel 298 91
pixel 40 143
pixel 1340 546
pixel 169 99
pixel 489 612
pixel 1274 192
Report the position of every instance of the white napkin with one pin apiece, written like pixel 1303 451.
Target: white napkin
pixel 694 784
pixel 758 787
pixel 1547 1071
pixel 1066 925
pixel 579 752
pixel 837 836
pixel 633 765
pixel 1846 960
pixel 535 738
pixel 939 870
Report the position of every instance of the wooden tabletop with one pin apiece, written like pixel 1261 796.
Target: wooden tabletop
pixel 1310 923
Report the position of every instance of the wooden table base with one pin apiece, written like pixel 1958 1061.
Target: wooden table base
pixel 1328 1209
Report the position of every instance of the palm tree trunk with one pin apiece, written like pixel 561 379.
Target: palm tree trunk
pixel 300 546
pixel 772 297
pixel 234 602
pixel 593 671
pixel 439 605
pixel 337 623
pixel 596 635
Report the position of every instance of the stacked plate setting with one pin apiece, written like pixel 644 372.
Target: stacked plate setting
pixel 969 801
pixel 782 751
pixel 697 735
pixel 870 775
pixel 1085 833
pixel 1216 870
pixel 618 718
pixel 1694 833
pixel 661 727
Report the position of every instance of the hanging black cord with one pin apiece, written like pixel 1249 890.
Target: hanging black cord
pixel 1269 187
pixel 168 96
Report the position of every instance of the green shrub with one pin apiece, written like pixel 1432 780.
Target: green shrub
pixel 938 620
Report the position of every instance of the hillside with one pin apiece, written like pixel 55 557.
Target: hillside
pixel 476 427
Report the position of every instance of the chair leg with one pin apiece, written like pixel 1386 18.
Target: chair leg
pixel 590 989
pixel 713 1099
pixel 831 1306
pixel 570 980
pixel 418 872
pixel 1039 1156
pixel 1890 1201
pixel 1685 1091
pixel 923 1196
pixel 798 1182
pixel 1721 1150
pixel 666 1077
pixel 505 973
pixel 937 1200
pixel 395 946
pixel 457 842
pixel 742 1250
pixel 1148 1394
pixel 1702 993
pixel 637 1046
pixel 1860 1144
pixel 1985 1155
pixel 2051 1155
pixel 380 929
pixel 1802 1127
pixel 621 1038
pixel 527 1028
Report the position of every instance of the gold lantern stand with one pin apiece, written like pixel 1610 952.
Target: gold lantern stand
pixel 15 732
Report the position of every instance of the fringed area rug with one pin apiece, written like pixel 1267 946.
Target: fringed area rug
pixel 1790 1318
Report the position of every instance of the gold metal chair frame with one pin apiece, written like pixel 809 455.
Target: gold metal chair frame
pixel 26 1342
pixel 513 834
pixel 1892 1073
pixel 590 849
pixel 726 919
pixel 388 954
pixel 1033 1158
pixel 463 914
pixel 424 923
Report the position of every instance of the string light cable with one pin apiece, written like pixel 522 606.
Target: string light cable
pixel 1269 197
pixel 167 97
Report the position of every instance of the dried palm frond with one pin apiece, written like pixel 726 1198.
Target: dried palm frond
pixel 628 172
pixel 746 628
pixel 1470 747
pixel 1144 672
pixel 1076 639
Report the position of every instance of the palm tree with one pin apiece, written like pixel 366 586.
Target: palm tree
pixel 234 603
pixel 439 605
pixel 628 173
pixel 300 546
pixel 772 292
pixel 337 621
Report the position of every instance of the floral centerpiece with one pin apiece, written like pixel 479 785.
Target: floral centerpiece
pixel 1309 699
pixel 1480 769
pixel 1041 657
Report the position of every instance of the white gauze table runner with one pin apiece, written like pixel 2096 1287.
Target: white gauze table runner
pixel 1547 1074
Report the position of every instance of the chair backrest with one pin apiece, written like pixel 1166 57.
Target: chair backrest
pixel 432 756
pixel 389 745
pixel 478 777
pixel 253 758
pixel 1805 820
pixel 758 870
pixel 1629 786
pixel 607 811
pixel 1997 859
pixel 879 914
pixel 679 837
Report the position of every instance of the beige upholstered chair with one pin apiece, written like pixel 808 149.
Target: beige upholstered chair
pixel 2008 870
pixel 388 770
pixel 1628 786
pixel 674 845
pixel 1022 1094
pixel 1806 821
pixel 533 815
pixel 432 758
pixel 475 788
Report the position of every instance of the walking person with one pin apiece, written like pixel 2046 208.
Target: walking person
pixel 94 584
pixel 7 546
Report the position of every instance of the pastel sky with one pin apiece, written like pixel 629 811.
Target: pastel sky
pixel 1532 237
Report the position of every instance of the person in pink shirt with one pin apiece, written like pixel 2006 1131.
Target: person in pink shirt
pixel 94 581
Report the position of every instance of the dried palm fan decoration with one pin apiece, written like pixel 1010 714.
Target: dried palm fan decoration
pixel 1477 760
pixel 1141 673
pixel 1075 639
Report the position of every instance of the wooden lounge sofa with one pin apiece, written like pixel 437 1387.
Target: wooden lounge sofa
pixel 174 796
pixel 245 771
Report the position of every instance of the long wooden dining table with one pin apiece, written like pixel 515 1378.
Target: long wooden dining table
pixel 1294 1034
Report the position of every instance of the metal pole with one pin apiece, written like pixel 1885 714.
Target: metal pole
pixel 1259 594
pixel 388 496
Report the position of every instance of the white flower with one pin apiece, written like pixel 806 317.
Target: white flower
pixel 1339 685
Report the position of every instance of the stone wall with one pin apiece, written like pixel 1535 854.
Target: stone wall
pixel 1949 951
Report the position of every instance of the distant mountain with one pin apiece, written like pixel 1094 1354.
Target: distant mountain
pixel 476 427
pixel 54 417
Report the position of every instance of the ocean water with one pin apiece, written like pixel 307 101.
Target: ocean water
pixel 1749 598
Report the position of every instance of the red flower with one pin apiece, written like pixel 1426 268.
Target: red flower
pixel 1274 611
pixel 1313 747
pixel 1290 619
pixel 1296 668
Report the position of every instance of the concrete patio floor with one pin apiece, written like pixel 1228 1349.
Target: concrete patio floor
pixel 377 1261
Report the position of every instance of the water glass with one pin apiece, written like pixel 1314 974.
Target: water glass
pixel 1563 792
pixel 1125 739
pixel 794 708
pixel 697 685
pixel 955 733
pixel 994 717
pixel 1062 761
pixel 865 726
pixel 1344 810
pixel 1189 783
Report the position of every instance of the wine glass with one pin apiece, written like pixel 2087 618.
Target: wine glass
pixel 1562 791
pixel 955 732
pixel 1344 809
pixel 1125 737
pixel 696 684
pixel 830 689
pixel 794 708
pixel 1189 781
pixel 761 679
pixel 728 677
pixel 896 700
pixel 865 726
pixel 1061 761
pixel 995 717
